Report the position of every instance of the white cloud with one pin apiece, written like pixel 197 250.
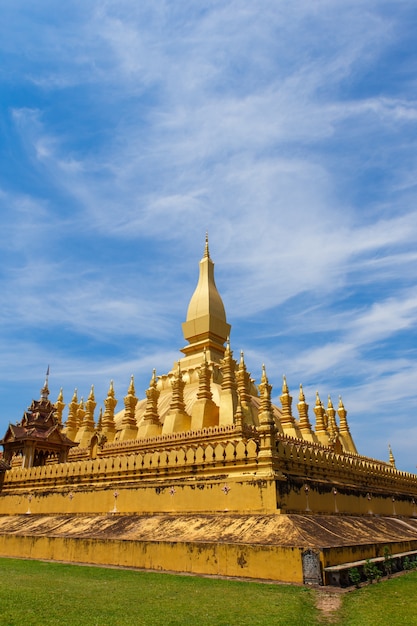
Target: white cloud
pixel 137 127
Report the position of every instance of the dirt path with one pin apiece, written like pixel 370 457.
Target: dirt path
pixel 329 603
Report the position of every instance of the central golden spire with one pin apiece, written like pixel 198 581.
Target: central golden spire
pixel 206 327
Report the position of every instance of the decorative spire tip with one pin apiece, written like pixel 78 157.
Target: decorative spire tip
pixel 206 249
pixel 45 388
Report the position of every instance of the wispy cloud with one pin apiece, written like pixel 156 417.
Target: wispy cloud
pixel 288 132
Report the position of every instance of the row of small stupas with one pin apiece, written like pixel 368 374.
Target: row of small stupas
pixel 207 389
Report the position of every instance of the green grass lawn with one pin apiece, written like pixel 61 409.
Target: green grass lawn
pixel 35 592
pixel 392 602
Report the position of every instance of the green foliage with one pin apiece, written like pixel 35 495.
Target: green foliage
pixel 409 563
pixel 388 562
pixel 371 571
pixel 37 593
pixel 355 576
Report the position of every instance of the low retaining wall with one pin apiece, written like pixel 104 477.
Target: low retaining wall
pixel 218 559
pixel 287 548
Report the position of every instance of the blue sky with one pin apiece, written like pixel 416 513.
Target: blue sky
pixel 287 130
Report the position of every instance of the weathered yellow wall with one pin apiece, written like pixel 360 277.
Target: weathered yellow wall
pixel 205 496
pixel 349 554
pixel 328 499
pixel 195 476
pixel 319 464
pixel 264 562
pixel 219 477
pixel 199 492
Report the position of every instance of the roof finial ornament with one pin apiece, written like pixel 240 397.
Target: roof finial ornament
pixel 332 426
pixel 391 456
pixel 320 417
pixel 266 417
pixel 131 389
pixel 302 406
pixel 206 249
pixel 45 388
pixel 287 418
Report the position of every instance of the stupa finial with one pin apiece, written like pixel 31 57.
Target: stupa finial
pixel 206 323
pixel 344 428
pixel 320 415
pixel 206 249
pixel 129 426
pixel 227 351
pixel 266 417
pixel 131 388
pixel 391 456
pixel 287 418
pixel 60 405
pixel 302 406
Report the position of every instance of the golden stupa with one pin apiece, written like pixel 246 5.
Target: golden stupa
pixel 204 474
